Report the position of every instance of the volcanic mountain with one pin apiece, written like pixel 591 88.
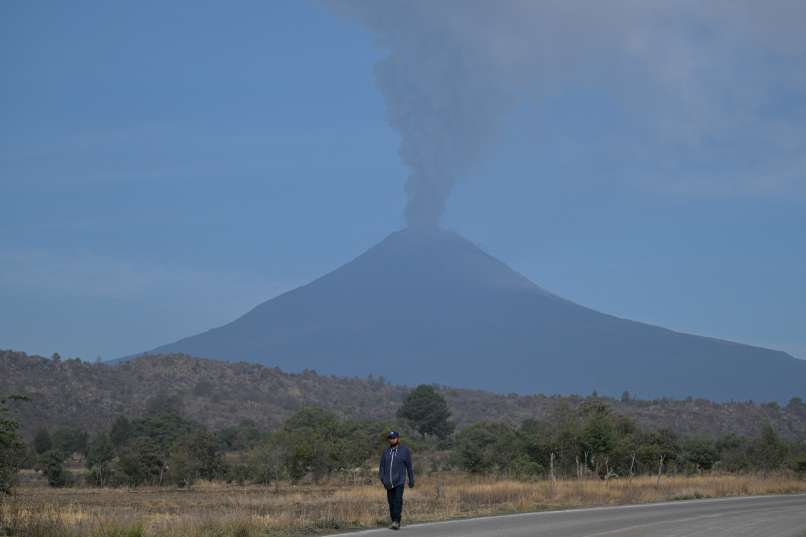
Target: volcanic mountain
pixel 428 306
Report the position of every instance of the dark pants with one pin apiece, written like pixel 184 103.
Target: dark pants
pixel 395 497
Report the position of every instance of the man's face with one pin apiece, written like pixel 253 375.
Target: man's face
pixel 393 441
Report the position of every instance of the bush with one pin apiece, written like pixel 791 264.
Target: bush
pixel 42 441
pixel 487 447
pixel 69 440
pixel 12 448
pixel 239 473
pixel 699 454
pixel 798 466
pixel 522 467
pixel 140 463
pixel 99 458
pixel 53 466
pixel 195 457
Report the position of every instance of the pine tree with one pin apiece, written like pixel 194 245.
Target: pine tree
pixel 428 412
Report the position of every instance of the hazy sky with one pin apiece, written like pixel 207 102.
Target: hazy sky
pixel 164 168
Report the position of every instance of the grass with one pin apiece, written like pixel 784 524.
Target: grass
pixel 287 510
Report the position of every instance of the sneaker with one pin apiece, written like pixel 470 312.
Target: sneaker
pixel 395 525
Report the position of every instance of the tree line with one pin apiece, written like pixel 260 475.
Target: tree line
pixel 592 441
pixel 164 447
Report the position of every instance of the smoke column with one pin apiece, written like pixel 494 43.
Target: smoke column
pixel 456 67
pixel 441 89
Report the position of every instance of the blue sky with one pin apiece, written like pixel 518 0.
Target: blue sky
pixel 164 168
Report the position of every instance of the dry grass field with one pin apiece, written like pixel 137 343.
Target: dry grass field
pixel 217 510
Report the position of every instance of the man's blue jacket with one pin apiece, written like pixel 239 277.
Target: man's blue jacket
pixel 395 464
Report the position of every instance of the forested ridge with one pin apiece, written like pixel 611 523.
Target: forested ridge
pixel 89 396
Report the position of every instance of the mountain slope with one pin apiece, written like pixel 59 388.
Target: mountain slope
pixel 221 394
pixel 429 306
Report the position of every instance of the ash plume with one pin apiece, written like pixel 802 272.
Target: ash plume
pixel 687 70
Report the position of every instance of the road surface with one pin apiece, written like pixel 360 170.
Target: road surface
pixel 758 516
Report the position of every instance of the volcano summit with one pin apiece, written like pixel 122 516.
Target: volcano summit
pixel 428 306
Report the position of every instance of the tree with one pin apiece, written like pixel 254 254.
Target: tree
pixel 194 457
pixel 140 462
pixel 267 460
pixel 623 458
pixel 53 463
pixel 598 438
pixel 42 441
pixel 204 388
pixel 163 430
pixel 657 448
pixel 121 431
pixel 314 441
pixel 538 446
pixel 700 453
pixel 313 418
pixel 563 440
pixel 308 440
pixel 428 412
pixel 769 450
pixel 241 437
pixel 12 448
pixel 356 442
pixel 795 404
pixel 182 465
pixel 164 403
pixel 69 440
pixel 143 458
pixel 733 452
pixel 799 465
pixel 486 447
pixel 100 454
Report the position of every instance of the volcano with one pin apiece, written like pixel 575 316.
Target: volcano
pixel 428 306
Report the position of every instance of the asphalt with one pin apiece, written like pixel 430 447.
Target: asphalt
pixel 757 516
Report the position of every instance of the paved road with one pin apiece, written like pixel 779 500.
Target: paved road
pixel 760 516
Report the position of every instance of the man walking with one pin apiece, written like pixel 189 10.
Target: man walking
pixel 395 466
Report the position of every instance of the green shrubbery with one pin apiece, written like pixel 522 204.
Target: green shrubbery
pixel 12 448
pixel 594 441
pixel 163 447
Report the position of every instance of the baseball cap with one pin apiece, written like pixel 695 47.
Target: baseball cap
pixel 393 434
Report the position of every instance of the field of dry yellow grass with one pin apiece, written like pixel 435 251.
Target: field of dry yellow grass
pixel 284 509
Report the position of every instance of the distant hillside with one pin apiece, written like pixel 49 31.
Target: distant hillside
pixel 429 306
pixel 218 394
